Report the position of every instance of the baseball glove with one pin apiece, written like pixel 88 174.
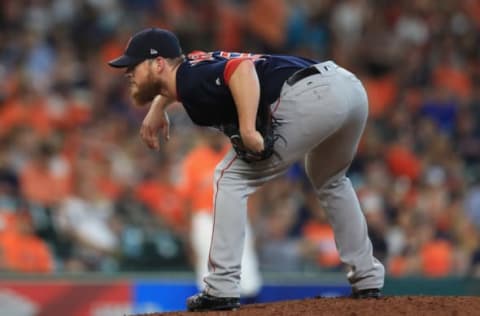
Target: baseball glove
pixel 266 125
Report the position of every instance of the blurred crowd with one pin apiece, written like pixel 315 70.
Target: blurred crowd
pixel 80 192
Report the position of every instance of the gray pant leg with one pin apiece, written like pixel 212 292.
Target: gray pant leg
pixel 234 181
pixel 226 249
pixel 326 166
pixel 344 214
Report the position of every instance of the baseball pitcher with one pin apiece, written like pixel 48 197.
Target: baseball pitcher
pixel 276 110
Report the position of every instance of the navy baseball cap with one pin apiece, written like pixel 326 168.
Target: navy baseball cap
pixel 146 44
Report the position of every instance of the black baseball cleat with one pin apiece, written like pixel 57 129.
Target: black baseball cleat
pixel 205 302
pixel 366 293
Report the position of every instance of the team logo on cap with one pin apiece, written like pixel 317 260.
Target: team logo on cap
pixel 153 51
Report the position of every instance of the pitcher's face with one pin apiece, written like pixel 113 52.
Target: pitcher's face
pixel 144 84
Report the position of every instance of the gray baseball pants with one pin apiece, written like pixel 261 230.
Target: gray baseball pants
pixel 323 117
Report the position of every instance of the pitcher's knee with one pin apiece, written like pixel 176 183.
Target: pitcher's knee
pixel 326 176
pixel 333 184
pixel 333 187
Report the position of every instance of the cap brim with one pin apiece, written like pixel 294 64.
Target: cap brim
pixel 124 61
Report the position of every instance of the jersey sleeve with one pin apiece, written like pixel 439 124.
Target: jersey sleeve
pixel 230 67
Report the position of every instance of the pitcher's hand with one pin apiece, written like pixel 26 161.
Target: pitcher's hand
pixel 155 120
pixel 252 140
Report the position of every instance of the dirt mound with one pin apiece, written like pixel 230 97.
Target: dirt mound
pixel 391 306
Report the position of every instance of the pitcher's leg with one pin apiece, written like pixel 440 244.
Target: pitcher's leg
pixel 339 200
pixel 326 166
pixel 234 180
pixel 230 204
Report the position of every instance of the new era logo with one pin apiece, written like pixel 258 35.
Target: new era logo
pixel 153 51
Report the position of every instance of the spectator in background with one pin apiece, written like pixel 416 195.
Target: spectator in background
pixel 307 32
pixel 45 181
pixel 20 249
pixel 279 252
pixel 266 24
pixel 472 205
pixel 160 194
pixel 9 205
pixel 26 108
pixel 467 133
pixel 442 109
pixel 86 218
pixel 319 237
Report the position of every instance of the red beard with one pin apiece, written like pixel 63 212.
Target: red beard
pixel 145 92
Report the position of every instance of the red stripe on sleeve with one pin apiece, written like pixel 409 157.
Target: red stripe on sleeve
pixel 230 67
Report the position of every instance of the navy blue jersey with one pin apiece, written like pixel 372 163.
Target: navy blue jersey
pixel 202 83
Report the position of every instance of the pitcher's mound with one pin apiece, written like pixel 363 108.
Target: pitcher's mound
pixel 387 306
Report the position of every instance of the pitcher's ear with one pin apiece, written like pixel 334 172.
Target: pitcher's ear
pixel 158 63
